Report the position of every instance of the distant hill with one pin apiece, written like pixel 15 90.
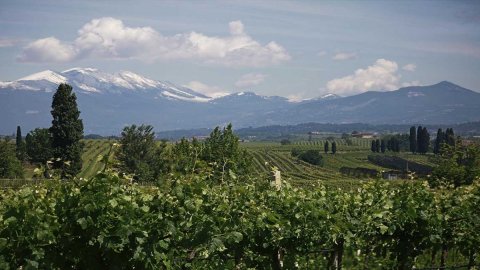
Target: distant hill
pixel 278 131
pixel 108 102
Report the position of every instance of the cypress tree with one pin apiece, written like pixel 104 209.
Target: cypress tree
pixel 377 146
pixel 373 147
pixel 382 146
pixel 413 139
pixel 66 131
pixel 325 147
pixel 20 146
pixel 419 140
pixel 439 141
pixel 450 137
pixel 334 147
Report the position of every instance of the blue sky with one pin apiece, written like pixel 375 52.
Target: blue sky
pixel 296 49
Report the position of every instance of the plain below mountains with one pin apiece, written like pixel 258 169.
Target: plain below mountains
pixel 108 102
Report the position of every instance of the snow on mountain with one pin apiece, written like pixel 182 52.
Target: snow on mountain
pixel 46 75
pixel 94 81
pixel 329 96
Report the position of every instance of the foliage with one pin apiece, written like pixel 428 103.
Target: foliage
pixel 109 223
pixel 10 166
pixel 325 147
pixel 66 131
pixel 223 153
pixel 140 155
pixel 39 145
pixel 413 140
pixel 457 166
pixel 312 156
pixel 334 147
pixel 285 142
pixel 20 146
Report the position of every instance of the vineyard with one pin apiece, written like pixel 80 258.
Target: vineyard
pixel 107 222
pixel 94 150
pixel 265 156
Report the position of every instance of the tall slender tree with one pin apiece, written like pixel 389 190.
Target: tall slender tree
pixel 413 139
pixel 373 147
pixel 382 146
pixel 325 147
pixel 334 147
pixel 66 131
pixel 450 137
pixel 439 141
pixel 20 146
pixel 419 140
pixel 377 146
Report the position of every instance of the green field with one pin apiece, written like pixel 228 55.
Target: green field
pixel 266 155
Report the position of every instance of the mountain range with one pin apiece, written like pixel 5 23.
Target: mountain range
pixel 110 101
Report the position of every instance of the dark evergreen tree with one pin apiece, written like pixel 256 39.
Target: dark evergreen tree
pixel 450 137
pixel 413 139
pixel 419 140
pixel 377 146
pixel 396 145
pixel 389 144
pixel 67 131
pixel 20 146
pixel 325 147
pixel 334 147
pixel 382 146
pixel 423 140
pixel 439 141
pixel 373 147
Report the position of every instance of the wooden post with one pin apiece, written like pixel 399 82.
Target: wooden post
pixel 277 179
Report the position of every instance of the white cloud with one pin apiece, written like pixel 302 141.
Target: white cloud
pixel 211 91
pixel 250 79
pixel 381 76
pixel 47 49
pixel 409 67
pixel 109 38
pixel 344 56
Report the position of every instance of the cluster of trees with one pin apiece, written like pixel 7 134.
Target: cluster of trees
pixel 392 144
pixel 419 140
pixel 326 147
pixel 219 156
pixel 58 148
pixel 443 138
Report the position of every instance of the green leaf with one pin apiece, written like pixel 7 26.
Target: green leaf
pixel 83 223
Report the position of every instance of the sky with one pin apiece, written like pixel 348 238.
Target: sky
pixel 295 49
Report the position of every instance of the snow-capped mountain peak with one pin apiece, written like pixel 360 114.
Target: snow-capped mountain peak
pixel 46 75
pixel 94 81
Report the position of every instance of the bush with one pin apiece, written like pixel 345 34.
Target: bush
pixel 312 157
pixel 285 142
